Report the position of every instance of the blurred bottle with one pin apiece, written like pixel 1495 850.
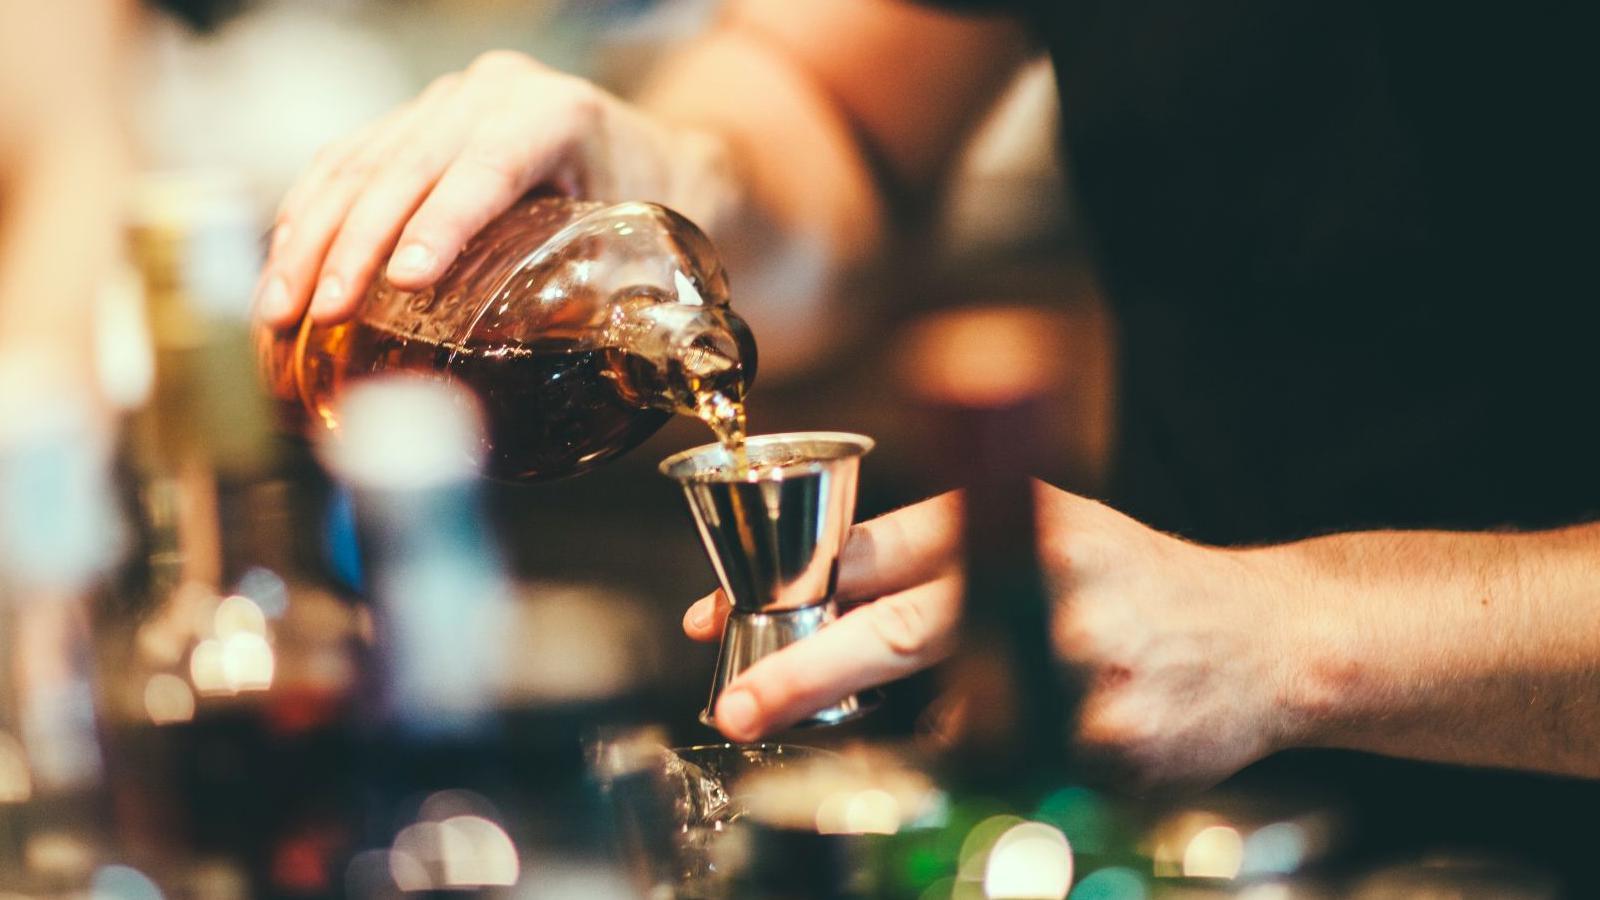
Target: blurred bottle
pixel 58 535
pixel 228 667
pixel 984 379
pixel 468 789
pixel 1023 821
pixel 581 327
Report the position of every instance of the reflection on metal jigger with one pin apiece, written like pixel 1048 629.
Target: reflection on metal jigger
pixel 774 533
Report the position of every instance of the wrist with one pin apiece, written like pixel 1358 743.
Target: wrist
pixel 1313 671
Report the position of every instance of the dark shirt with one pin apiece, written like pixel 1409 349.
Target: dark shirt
pixel 1348 245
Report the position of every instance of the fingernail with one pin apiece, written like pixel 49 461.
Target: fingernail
pixel 280 236
pixel 273 302
pixel 412 261
pixel 736 712
pixel 700 616
pixel 330 290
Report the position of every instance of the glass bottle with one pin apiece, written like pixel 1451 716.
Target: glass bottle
pixel 581 327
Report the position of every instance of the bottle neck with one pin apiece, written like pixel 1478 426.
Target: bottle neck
pixel 682 357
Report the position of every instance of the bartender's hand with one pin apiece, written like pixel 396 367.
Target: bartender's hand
pixel 405 193
pixel 1186 646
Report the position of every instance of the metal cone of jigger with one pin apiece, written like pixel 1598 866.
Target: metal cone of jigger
pixel 774 535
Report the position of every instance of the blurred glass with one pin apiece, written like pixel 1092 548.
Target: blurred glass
pixel 58 535
pixel 674 809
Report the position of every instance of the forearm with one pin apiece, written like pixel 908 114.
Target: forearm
pixel 804 209
pixel 1471 648
pixel 61 172
pixel 827 109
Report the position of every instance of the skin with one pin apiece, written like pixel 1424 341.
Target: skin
pixel 794 124
pixel 61 170
pixel 1453 647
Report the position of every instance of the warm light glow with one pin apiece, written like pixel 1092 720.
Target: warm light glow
pixel 975 847
pixel 16 780
pixel 1214 852
pixel 460 852
pixel 247 662
pixel 239 614
pixel 414 848
pixel 205 669
pixel 167 699
pixel 476 852
pixel 1031 861
pixel 58 854
pixel 872 811
pixel 241 662
pixel 442 805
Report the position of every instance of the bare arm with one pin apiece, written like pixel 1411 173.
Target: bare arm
pixel 830 108
pixel 60 173
pixel 1471 648
pixel 1474 648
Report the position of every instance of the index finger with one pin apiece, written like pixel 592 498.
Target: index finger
pixel 880 642
pixel 888 554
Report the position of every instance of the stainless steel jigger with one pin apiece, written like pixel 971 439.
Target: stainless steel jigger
pixel 774 538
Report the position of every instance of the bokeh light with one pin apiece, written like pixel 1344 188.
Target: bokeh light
pixel 871 811
pixel 167 699
pixel 1113 883
pixel 239 614
pixel 205 669
pixel 247 662
pixel 16 780
pixel 1082 815
pixel 267 589
pixel 460 852
pixel 1276 849
pixel 1217 851
pixel 1030 861
pixel 122 883
pixel 974 855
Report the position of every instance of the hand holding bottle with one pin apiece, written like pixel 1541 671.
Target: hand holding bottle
pixel 403 195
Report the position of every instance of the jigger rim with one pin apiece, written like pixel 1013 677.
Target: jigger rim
pixel 679 466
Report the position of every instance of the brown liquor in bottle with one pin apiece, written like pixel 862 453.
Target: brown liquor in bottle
pixel 553 407
pixel 581 328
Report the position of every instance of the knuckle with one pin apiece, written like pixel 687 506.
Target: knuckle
pixel 498 63
pixel 580 97
pixel 1080 552
pixel 443 84
pixel 901 626
pixel 356 168
pixel 413 162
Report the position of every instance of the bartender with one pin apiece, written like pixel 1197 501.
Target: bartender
pixel 1346 245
